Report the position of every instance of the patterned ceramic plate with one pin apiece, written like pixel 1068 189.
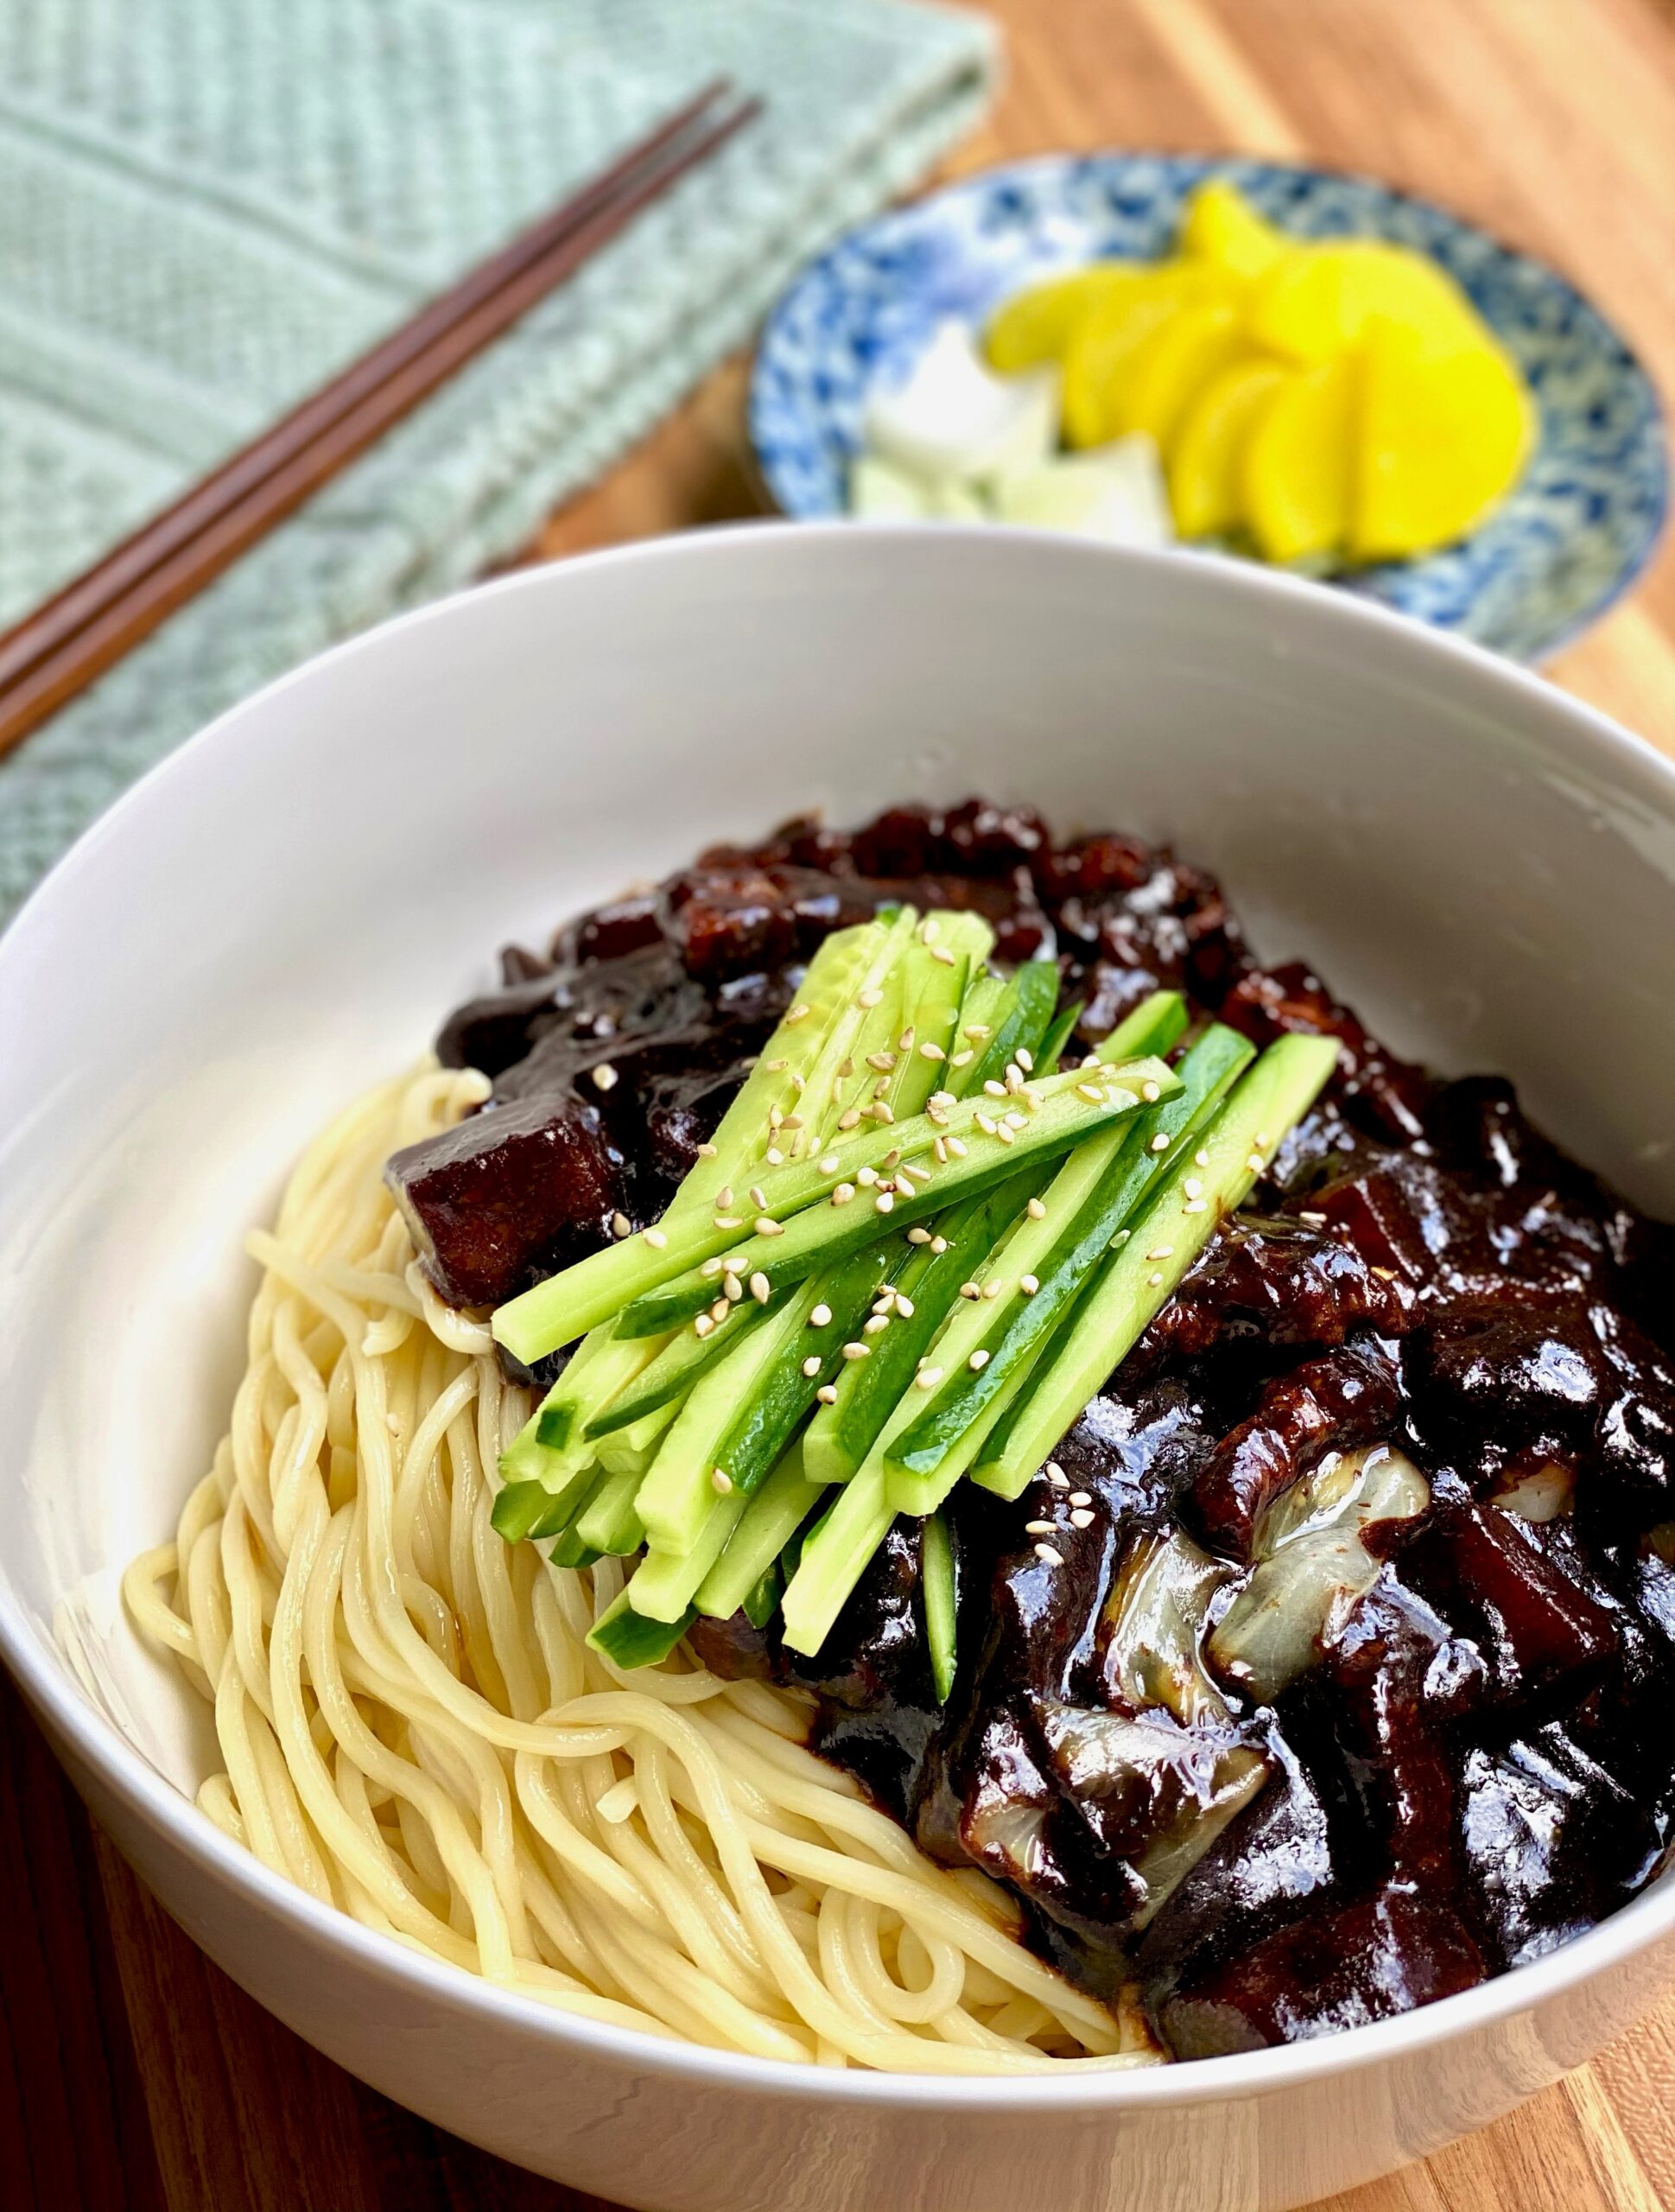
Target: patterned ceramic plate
pixel 1577 529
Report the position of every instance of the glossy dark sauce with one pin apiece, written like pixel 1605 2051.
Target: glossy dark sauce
pixel 1478 1760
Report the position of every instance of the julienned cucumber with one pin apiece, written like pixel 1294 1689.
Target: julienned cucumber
pixel 628 1639
pixel 608 1522
pixel 1135 1282
pixel 674 1369
pixel 771 1519
pixel 940 1588
pixel 860 1211
pixel 1088 1200
pixel 838 973
pixel 809 1356
pixel 680 1489
pixel 840 1434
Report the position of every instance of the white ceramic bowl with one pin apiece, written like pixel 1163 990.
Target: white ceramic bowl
pixel 282 913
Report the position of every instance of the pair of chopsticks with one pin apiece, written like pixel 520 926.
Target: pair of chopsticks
pixel 76 635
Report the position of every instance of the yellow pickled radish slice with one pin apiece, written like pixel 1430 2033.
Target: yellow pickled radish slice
pixel 1104 343
pixel 1207 451
pixel 1297 463
pixel 1168 370
pixel 1222 225
pixel 1319 300
pixel 1035 327
pixel 1442 438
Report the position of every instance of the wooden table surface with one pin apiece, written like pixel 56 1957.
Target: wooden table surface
pixel 132 2073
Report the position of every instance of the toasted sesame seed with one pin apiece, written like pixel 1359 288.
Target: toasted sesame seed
pixel 875 1325
pixel 1196 1206
pixel 821 1316
pixel 986 1122
pixel 1080 1498
pixel 849 1117
pixel 976 1031
pixel 1055 1475
pixel 1003 1130
pixel 711 1269
pixel 939 1148
pixel 928 1377
pixel 938 1115
pixel 759 1197
pixel 1028 1285
pixel 881 1112
pixel 765 1226
pixel 1149 1091
pixel 775 1118
pixel 868 1000
pixel 1039 1528
pixel 829 1165
pixel 903 1186
pixel 979 1361
pixel 733 1287
pixel 844 1192
pixel 774 1157
pixel 1033 1098
pixel 891 1157
pixel 930 1050
pixel 958 1147
pixel 929 929
pixel 904 1307
pixel 995 1089
pixel 796 1014
pixel 971 1290
pixel 1048 1556
pixel 811 1366
pixel 1036 1211
pixel 1014 1078
pixel 720 1310
pixel 939 1244
pixel 724 1197
pixel 904 1042
pixel 761 1288
pixel 1256 1163
pixel 719 1481
pixel 942 1098
pixel 1261 1140
pixel 1081 1518
pixel 857 1352
pixel 884 1202
pixel 846 1067
pixel 960 1059
pixel 655 1237
pixel 1015 1122
pixel 709 1151
pixel 1091 1092
pixel 1156 1278
pixel 1091 1060
pixel 1314 1220
pixel 1161 1252
pixel 918 1234
pixel 792 1120
pixel 621 1225
pixel 993 1288
pixel 1201 1158
pixel 1160 1142
pixel 605 1076
pixel 1025 1060
pixel 703 1325
pixel 1195 1189
pixel 867 1177
pixel 1120 1239
pixel 881 1063
pixel 886 1299
pixel 827 1394
pixel 776 1067
pixel 940 952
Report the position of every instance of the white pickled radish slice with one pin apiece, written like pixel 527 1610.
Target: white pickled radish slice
pixel 1115 492
pixel 953 418
pixel 882 493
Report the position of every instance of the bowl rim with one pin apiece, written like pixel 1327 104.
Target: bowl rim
pixel 1215 161
pixel 74 1722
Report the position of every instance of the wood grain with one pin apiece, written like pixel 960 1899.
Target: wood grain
pixel 133 2076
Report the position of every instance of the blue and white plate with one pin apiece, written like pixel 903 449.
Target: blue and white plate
pixel 1571 537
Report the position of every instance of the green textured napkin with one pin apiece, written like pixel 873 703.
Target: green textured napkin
pixel 208 205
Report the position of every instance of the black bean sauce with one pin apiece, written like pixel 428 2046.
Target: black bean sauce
pixel 1470 1757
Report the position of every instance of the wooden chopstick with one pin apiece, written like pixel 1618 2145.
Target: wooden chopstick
pixel 75 636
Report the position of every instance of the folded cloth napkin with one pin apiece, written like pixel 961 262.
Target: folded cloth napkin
pixel 210 204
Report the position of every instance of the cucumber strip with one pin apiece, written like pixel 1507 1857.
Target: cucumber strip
pixel 771 1519
pixel 629 1640
pixel 825 1012
pixel 1025 1016
pixel 1073 1106
pixel 570 1551
pixel 1134 1283
pixel 941 1592
pixel 637 1447
pixel 517 1506
pixel 608 1522
pixel 603 1367
pixel 785 1390
pixel 1051 1048
pixel 561 1512
pixel 1096 1191
pixel 834 1560
pixel 892 934
pixel 762 1602
pixel 869 1391
pixel 666 1583
pixel 676 1368
pixel 679 1490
